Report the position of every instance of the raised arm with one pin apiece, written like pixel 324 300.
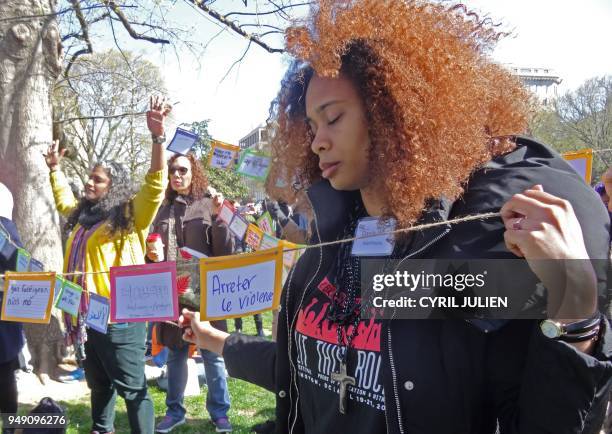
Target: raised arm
pixel 150 196
pixel 65 201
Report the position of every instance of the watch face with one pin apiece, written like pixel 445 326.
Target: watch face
pixel 550 329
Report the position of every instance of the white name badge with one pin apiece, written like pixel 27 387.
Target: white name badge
pixel 374 237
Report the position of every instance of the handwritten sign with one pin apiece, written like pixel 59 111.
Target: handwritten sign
pixel 268 242
pixel 265 223
pixel 182 141
pixel 23 260
pixel 222 155
pixel 227 212
pixel 254 236
pixel 254 165
pixel 144 293
pixel 234 286
pixel 70 298
pixel 238 226
pixel 581 162
pixel 28 297
pixel 374 244
pixel 97 314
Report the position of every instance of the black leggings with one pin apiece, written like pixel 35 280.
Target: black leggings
pixel 8 386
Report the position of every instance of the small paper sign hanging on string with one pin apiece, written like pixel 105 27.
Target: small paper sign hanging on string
pixel 28 297
pixel 183 141
pixel 98 312
pixel 70 298
pixel 268 242
pixel 289 254
pixel 254 235
pixel 254 165
pixel 222 155
pixel 59 284
pixel 265 223
pixel 227 212
pixel 23 260
pixel 238 226
pixel 36 266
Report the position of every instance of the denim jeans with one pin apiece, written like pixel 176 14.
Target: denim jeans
pixel 217 397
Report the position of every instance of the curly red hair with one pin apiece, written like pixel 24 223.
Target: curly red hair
pixel 437 106
pixel 199 180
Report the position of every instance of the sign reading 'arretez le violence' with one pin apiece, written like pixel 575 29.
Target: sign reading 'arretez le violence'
pixel 239 285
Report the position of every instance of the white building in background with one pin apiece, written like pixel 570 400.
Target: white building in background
pixel 543 82
pixel 256 140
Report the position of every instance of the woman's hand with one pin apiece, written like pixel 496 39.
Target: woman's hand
pixel 544 230
pixel 155 253
pixel 54 155
pixel 201 333
pixel 158 110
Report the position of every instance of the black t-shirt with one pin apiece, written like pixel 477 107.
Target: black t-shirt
pixel 318 356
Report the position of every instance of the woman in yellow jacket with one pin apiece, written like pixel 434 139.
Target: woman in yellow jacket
pixel 109 226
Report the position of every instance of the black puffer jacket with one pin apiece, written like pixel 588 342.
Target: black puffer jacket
pixel 449 376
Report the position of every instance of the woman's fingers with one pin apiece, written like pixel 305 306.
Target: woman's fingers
pixel 519 205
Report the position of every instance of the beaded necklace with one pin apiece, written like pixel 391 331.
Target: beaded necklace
pixel 345 308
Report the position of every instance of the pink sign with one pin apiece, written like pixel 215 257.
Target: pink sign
pixel 144 293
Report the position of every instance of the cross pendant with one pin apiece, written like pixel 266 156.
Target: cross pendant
pixel 344 380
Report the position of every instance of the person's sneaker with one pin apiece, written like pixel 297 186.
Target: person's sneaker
pixel 72 377
pixel 222 424
pixel 168 423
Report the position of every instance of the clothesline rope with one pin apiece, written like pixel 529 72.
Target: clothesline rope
pixel 416 228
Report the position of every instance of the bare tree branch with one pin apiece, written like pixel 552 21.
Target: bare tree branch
pixel 262 25
pixel 84 35
pixel 237 61
pixel 233 26
pixel 90 22
pixel 275 11
pixel 120 115
pixel 128 27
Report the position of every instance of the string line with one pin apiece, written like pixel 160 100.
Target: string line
pixel 416 228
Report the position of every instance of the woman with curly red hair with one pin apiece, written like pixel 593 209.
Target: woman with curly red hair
pixel 392 111
pixel 188 218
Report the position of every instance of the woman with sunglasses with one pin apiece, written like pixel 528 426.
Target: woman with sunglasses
pixel 393 110
pixel 188 218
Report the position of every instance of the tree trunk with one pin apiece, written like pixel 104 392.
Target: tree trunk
pixel 29 65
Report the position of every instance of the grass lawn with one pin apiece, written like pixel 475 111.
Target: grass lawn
pixel 250 404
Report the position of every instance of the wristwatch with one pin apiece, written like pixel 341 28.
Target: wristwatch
pixel 158 140
pixel 571 332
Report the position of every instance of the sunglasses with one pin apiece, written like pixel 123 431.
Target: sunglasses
pixel 181 170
